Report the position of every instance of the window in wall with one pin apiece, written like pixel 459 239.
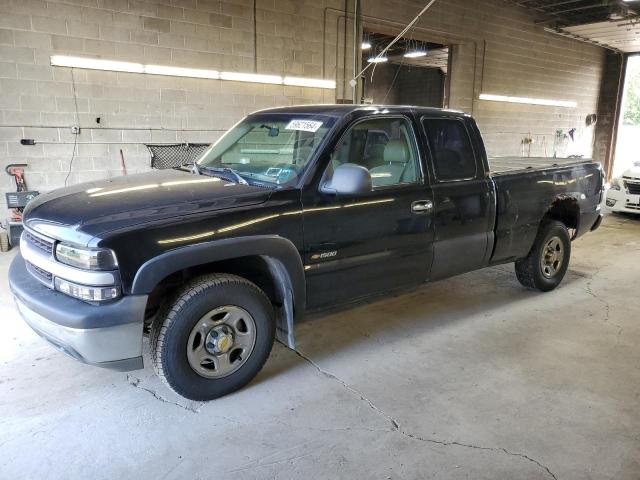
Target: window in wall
pixel 451 149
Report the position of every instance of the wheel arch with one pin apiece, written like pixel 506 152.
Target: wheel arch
pixel 270 261
pixel 565 208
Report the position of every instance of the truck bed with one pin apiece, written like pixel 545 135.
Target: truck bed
pixel 526 188
pixel 503 165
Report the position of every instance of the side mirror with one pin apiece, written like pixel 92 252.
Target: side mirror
pixel 349 179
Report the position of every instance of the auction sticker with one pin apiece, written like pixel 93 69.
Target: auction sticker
pixel 304 125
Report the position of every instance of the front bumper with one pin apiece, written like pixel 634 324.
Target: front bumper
pixel 620 201
pixel 108 335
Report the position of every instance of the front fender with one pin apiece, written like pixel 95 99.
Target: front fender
pixel 281 254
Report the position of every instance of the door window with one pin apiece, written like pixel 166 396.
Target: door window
pixel 386 147
pixel 451 149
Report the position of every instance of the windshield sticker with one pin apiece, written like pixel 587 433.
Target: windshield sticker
pixel 304 125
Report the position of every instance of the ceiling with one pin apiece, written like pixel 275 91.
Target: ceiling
pixel 613 24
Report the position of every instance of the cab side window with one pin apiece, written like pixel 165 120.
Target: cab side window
pixel 384 146
pixel 451 149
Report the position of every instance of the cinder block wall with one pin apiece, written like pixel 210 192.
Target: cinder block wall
pixel 40 102
pixel 497 49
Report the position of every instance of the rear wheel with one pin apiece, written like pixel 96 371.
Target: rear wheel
pixel 213 337
pixel 546 265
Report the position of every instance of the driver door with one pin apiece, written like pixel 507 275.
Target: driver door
pixel 357 245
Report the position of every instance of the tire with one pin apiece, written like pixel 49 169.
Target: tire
pixel 540 270
pixel 201 366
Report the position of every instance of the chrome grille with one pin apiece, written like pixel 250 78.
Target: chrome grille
pixel 634 188
pixel 41 243
pixel 40 274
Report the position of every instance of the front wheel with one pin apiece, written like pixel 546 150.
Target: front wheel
pixel 546 265
pixel 213 337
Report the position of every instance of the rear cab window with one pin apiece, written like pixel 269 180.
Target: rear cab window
pixel 451 149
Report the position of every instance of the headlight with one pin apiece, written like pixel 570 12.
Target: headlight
pixel 86 293
pixel 619 185
pixel 88 259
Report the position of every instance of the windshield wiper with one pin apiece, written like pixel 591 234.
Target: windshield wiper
pixel 229 171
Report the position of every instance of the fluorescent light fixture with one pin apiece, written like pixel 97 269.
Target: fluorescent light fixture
pixel 129 67
pixel 366 45
pixel 309 82
pixel 377 59
pixel 181 72
pixel 251 77
pixel 116 66
pixel 529 101
pixel 96 64
pixel 416 54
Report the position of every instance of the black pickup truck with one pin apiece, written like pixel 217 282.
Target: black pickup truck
pixel 292 209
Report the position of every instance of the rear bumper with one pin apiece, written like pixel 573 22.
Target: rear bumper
pixel 108 335
pixel 597 223
pixel 589 221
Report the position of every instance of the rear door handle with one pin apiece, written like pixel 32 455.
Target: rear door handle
pixel 422 206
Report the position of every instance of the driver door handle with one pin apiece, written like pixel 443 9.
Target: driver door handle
pixel 422 206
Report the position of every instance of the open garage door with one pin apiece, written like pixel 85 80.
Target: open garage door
pixel 628 140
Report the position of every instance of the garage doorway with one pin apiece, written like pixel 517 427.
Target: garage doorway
pixel 412 72
pixel 628 138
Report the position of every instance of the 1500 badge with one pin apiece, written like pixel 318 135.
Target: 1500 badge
pixel 324 255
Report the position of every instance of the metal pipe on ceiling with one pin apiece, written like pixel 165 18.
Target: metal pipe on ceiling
pixel 580 8
pixel 544 7
pixel 579 38
pixel 559 4
pixel 577 11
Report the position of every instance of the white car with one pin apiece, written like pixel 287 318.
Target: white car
pixel 624 194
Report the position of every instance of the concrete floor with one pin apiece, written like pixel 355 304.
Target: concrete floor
pixel 473 377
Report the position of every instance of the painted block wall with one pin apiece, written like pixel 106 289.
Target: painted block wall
pixel 497 49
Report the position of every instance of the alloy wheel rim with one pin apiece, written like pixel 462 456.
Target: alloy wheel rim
pixel 221 341
pixel 552 257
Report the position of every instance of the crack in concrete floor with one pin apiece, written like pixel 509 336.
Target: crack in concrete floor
pixel 394 424
pixel 605 303
pixel 136 382
pixel 396 428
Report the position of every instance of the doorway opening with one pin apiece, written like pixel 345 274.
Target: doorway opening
pixel 412 72
pixel 628 137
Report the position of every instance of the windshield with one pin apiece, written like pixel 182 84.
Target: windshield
pixel 273 148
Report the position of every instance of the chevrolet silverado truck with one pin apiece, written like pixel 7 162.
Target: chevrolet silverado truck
pixel 293 209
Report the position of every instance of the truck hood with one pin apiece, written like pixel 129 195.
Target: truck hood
pixel 82 212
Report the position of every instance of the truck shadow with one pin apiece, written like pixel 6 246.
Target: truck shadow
pixel 406 314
